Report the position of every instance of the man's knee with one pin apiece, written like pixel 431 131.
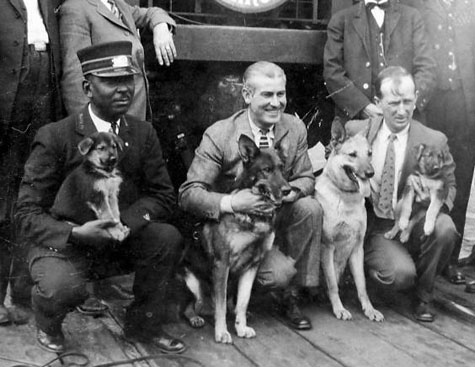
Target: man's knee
pixel 396 276
pixel 307 207
pixel 162 239
pixel 445 231
pixel 276 270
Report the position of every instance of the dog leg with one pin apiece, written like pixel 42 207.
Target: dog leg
pixel 243 295
pixel 220 282
pixel 331 278
pixel 406 203
pixel 193 309
pixel 435 205
pixel 357 270
pixel 393 232
pixel 404 237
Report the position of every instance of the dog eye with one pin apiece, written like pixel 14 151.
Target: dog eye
pixel 353 154
pixel 370 153
pixel 267 169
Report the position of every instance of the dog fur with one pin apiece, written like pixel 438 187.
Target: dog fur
pixel 341 190
pixel 91 190
pixel 428 182
pixel 236 244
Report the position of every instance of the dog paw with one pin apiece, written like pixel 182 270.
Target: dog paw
pixel 428 229
pixel 223 336
pixel 404 237
pixel 245 332
pixel 373 315
pixel 403 223
pixel 390 235
pixel 343 314
pixel 196 322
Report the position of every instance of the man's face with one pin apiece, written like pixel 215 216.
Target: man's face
pixel 266 100
pixel 110 97
pixel 397 102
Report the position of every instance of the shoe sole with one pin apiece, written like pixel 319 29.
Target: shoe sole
pixel 134 340
pixel 92 313
pixel 49 349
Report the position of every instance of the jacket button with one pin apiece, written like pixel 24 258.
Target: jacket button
pixel 437 46
pixel 368 64
pixel 365 86
pixel 13 71
pixel 16 43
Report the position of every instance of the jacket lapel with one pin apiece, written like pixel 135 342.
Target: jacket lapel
pixel 19 6
pixel 360 22
pixel 243 126
pixel 106 13
pixel 373 128
pixel 413 139
pixel 391 19
pixel 124 134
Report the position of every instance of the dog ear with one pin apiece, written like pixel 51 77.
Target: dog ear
pixel 419 149
pixel 247 148
pixel 85 146
pixel 338 133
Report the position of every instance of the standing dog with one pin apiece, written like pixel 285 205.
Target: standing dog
pixel 429 182
pixel 236 244
pixel 341 190
pixel 91 190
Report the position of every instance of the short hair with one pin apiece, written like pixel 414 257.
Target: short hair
pixel 263 68
pixel 396 74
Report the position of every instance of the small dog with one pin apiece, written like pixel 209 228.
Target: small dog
pixel 341 190
pixel 91 190
pixel 236 244
pixel 428 182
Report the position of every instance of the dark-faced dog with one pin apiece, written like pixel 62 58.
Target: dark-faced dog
pixel 341 190
pixel 427 183
pixel 91 190
pixel 237 243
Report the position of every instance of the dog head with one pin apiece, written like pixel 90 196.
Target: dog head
pixel 262 171
pixel 432 161
pixel 101 150
pixel 349 164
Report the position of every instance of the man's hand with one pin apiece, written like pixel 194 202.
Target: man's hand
pixel 244 201
pixel 163 42
pixel 371 111
pixel 94 233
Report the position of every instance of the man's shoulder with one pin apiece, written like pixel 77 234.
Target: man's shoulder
pixel 427 134
pixel 77 5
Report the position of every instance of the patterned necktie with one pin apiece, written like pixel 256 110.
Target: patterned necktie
pixel 114 9
pixel 114 128
pixel 263 140
pixel 385 201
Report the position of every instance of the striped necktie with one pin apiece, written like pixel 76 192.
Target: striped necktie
pixel 263 139
pixel 385 201
pixel 114 9
pixel 114 128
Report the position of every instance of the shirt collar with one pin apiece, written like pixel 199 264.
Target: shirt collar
pixel 256 129
pixel 100 124
pixel 385 132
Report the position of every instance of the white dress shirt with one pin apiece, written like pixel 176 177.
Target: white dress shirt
pixel 379 147
pixel 378 13
pixel 256 132
pixel 37 33
pixel 101 125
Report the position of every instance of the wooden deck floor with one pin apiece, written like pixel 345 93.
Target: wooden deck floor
pixel 397 342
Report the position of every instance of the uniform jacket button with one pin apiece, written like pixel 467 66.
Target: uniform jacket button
pixel 365 86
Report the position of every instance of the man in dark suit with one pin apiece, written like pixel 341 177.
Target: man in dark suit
pixel 30 68
pixel 394 137
pixel 364 39
pixel 62 254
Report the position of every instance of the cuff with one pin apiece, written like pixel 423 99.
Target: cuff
pixel 225 205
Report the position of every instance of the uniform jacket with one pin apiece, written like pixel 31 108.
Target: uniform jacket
pixel 146 193
pixel 87 22
pixel 418 134
pixel 347 55
pixel 454 34
pixel 14 51
pixel 217 162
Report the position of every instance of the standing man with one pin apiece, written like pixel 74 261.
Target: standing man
pixel 294 261
pixel 393 137
pixel 450 28
pixel 62 255
pixel 88 22
pixel 29 75
pixel 363 40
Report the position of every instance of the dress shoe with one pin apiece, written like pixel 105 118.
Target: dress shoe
pixel 454 275
pixel 293 316
pixel 4 316
pixel 422 312
pixel 50 343
pixel 164 342
pixel 92 307
pixel 470 286
pixel 122 292
pixel 19 314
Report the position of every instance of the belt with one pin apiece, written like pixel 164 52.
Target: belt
pixel 39 46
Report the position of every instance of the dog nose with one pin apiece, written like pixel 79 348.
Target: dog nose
pixel 369 174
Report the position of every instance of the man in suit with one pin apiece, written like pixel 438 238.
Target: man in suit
pixel 30 69
pixel 63 255
pixel 89 22
pixel 294 260
pixel 393 137
pixel 364 39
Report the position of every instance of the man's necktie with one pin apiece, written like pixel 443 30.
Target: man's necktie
pixel 114 9
pixel 114 128
pixel 385 201
pixel 263 140
pixel 383 4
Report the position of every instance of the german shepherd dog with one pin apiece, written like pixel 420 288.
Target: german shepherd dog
pixel 236 244
pixel 341 190
pixel 429 181
pixel 91 190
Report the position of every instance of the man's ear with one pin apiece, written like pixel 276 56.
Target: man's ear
pixel 85 146
pixel 377 101
pixel 86 87
pixel 247 148
pixel 247 94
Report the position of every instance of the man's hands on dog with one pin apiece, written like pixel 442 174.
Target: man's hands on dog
pixel 245 201
pixel 98 233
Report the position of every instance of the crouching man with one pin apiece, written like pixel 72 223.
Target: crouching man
pixel 63 255
pixel 294 260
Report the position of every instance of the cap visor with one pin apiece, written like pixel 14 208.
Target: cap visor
pixel 115 72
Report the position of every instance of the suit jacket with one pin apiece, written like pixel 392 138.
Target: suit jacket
pixel 14 52
pixel 146 193
pixel 217 162
pixel 347 55
pixel 87 22
pixel 418 134
pixel 461 42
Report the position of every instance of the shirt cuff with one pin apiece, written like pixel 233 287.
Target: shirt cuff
pixel 225 204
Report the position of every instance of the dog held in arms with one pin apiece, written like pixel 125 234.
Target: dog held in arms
pixel 427 183
pixel 91 190
pixel 341 190
pixel 236 244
